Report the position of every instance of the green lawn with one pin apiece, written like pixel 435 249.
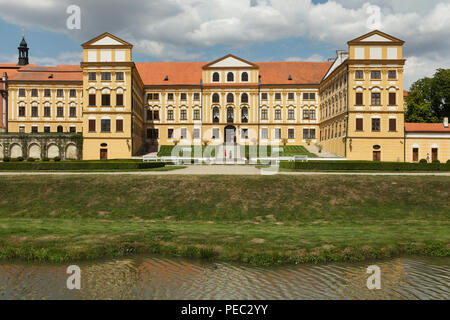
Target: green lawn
pixel 254 219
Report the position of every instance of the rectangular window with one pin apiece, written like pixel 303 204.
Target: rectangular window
pixel 170 96
pixel 392 124
pixel 264 133
pixel 73 112
pixel 244 133
pixel 106 125
pixel 434 154
pixel 34 112
pixel 312 96
pixel 21 111
pixel 92 76
pixel 375 75
pixel 22 93
pixel 72 129
pixel 92 98
pixel 196 133
pixel 149 115
pixel 170 115
pixel 278 133
pixel 119 99
pixel 278 114
pixel 392 99
pixel 376 99
pixel 277 96
pixel 47 129
pixel 119 125
pixel 392 74
pixel 196 114
pixel 34 92
pixel 291 96
pixel 312 133
pixel 359 99
pixel 106 76
pixel 73 93
pixel 47 112
pixel 264 114
pixel 291 114
pixel 183 133
pixel 22 129
pixel 196 96
pixel 60 112
pixel 106 100
pixel 359 74
pixel 169 133
pixel 215 133
pixel 264 96
pixel 183 96
pixel 149 133
pixel 376 124
pixel 305 96
pixel 149 96
pixel 47 93
pixel 91 125
pixel 359 124
pixel 291 134
pixel 119 76
pixel 156 96
pixel 415 154
pixel 183 115
pixel 306 114
pixel 312 114
pixel 34 129
pixel 305 134
pixel 59 93
pixel 156 133
pixel 156 114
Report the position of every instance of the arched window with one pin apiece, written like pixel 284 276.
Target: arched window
pixel 59 129
pixel 230 98
pixel 244 77
pixel 244 98
pixel 216 77
pixel 230 114
pixel 216 114
pixel 230 76
pixel 215 98
pixel 244 115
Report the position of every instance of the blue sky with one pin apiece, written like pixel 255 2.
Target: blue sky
pixel 203 30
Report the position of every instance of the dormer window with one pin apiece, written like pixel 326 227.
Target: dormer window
pixel 216 77
pixel 244 77
pixel 230 77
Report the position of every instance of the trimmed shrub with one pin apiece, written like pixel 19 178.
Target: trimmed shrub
pixel 8 159
pixel 57 159
pixel 80 165
pixel 423 161
pixel 30 159
pixel 448 161
pixel 436 161
pixel 18 159
pixel 45 159
pixel 363 166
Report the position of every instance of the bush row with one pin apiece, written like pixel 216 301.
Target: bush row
pixel 69 165
pixel 365 165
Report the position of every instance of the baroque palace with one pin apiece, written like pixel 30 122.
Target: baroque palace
pixel 110 107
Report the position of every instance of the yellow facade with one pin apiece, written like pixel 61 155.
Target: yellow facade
pixel 355 111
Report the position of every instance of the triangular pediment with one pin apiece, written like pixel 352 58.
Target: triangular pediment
pixel 106 39
pixel 376 36
pixel 230 61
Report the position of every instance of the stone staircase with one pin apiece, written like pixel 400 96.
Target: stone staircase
pixel 324 154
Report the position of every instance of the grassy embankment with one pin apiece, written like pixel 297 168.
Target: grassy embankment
pixel 254 219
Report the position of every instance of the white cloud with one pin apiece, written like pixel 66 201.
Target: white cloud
pixel 180 29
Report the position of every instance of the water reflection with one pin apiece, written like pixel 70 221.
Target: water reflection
pixel 160 278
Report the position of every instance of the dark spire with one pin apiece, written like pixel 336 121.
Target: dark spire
pixel 23 52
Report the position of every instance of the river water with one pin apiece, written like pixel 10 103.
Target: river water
pixel 168 278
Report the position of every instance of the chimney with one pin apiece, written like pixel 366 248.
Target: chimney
pixel 446 122
pixel 5 76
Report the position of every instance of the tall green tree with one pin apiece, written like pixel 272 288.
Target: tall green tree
pixel 429 98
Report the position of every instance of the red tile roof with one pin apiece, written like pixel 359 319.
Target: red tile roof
pixel 426 127
pixel 301 72
pixel 58 73
pixel 405 93
pixel 190 73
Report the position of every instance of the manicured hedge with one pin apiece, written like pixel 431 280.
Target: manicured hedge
pixel 79 165
pixel 364 166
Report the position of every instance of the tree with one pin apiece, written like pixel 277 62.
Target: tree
pixel 429 98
